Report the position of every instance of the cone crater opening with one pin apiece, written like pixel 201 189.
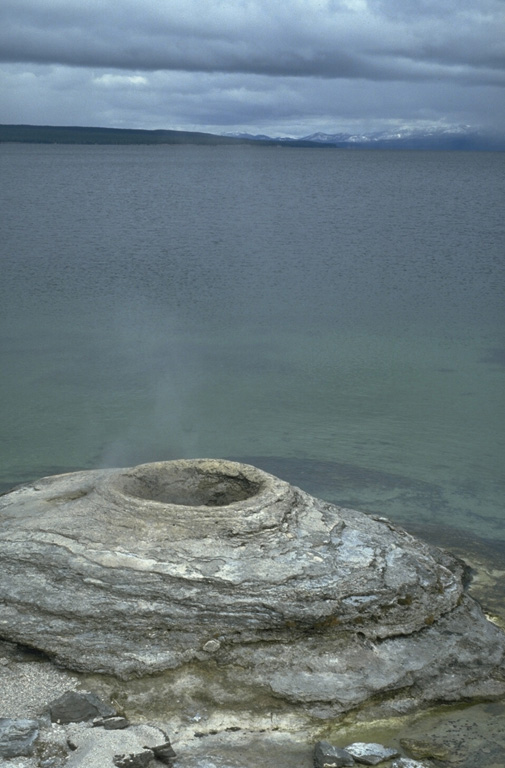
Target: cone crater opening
pixel 191 486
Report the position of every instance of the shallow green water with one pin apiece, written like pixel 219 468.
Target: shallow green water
pixel 314 307
pixel 334 318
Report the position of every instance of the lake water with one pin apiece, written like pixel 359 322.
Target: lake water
pixel 334 316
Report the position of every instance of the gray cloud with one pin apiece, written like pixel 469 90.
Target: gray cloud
pixel 252 62
pixel 297 38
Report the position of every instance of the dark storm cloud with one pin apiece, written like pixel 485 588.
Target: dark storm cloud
pixel 290 66
pixel 379 40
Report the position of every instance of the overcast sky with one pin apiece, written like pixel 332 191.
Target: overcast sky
pixel 281 67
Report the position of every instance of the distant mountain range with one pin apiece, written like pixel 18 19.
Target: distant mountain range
pixel 437 139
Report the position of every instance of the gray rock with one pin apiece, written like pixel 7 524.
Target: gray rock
pixel 164 753
pixel 75 707
pixel 328 756
pixel 405 762
pixel 98 748
pixel 139 760
pixel 17 737
pixel 370 753
pixel 208 564
pixel 112 723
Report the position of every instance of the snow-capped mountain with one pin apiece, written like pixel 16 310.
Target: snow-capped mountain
pixel 403 134
pixel 248 136
pixel 454 137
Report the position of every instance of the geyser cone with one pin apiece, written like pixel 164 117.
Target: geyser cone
pixel 155 567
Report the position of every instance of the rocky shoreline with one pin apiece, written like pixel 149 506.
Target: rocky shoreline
pixel 78 729
pixel 461 737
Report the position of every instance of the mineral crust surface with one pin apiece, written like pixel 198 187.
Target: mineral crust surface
pixel 221 572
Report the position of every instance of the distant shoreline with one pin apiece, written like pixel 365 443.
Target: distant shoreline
pixel 51 134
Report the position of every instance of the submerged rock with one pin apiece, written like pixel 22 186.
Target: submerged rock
pixel 419 748
pixel 222 569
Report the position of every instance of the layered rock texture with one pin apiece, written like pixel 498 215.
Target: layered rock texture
pixel 225 573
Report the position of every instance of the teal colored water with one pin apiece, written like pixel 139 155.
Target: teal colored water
pixel 334 316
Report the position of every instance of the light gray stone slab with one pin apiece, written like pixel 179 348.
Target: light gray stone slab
pixel 369 753
pixel 96 747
